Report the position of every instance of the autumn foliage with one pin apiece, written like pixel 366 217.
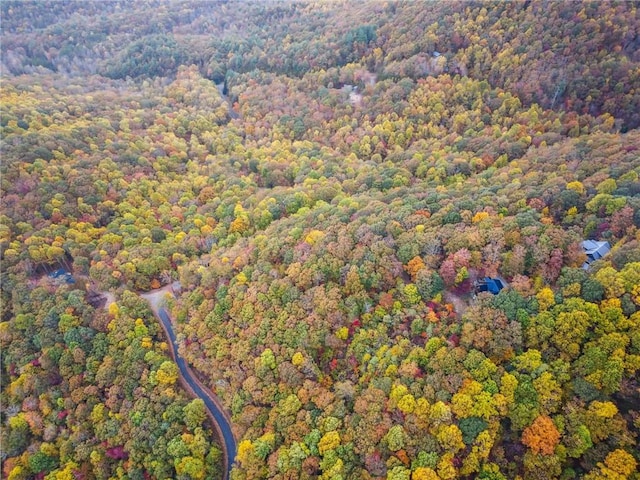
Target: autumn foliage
pixel 541 436
pixel 326 182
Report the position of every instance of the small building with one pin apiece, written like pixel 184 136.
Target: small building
pixel 58 273
pixel 594 251
pixel 488 284
pixel 62 275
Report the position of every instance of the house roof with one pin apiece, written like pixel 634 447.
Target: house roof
pixel 592 246
pixel 594 251
pixel 493 284
pixel 488 284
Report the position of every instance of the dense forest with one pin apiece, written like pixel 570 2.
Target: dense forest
pixel 329 183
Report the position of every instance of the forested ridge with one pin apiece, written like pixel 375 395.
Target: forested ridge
pixel 327 181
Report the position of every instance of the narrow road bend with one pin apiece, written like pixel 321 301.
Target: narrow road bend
pixel 216 411
pixel 218 415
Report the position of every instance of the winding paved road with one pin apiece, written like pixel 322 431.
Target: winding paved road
pixel 218 415
pixel 220 419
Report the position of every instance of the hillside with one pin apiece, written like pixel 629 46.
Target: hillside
pixel 327 181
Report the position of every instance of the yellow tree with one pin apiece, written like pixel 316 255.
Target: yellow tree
pixel 424 473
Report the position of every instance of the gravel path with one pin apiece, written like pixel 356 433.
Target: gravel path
pixel 157 297
pixel 459 305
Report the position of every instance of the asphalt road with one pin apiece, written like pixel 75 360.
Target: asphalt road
pixel 223 423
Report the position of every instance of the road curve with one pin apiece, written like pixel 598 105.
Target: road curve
pixel 216 411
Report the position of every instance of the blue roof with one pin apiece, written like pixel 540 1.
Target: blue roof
pixel 488 284
pixel 591 246
pixel 62 274
pixel 594 251
pixel 493 285
pixel 58 273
